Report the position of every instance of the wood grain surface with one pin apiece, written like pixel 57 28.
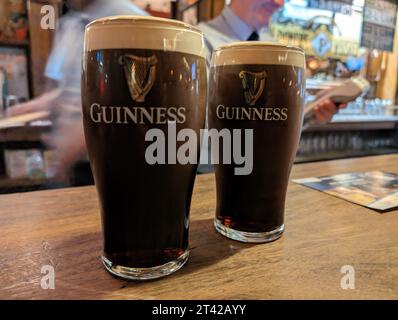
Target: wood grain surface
pixel 62 228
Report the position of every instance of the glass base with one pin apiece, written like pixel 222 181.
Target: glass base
pixel 249 237
pixel 146 273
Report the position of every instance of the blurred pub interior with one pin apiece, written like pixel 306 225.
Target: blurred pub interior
pixel 340 41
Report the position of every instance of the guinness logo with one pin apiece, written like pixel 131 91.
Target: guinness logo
pixel 253 85
pixel 140 74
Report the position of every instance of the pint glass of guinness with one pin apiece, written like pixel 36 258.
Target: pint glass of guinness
pixel 258 87
pixel 144 80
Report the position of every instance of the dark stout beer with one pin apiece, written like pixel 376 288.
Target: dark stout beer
pixel 261 87
pixel 141 73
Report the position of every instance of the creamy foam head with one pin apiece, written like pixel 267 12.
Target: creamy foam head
pixel 258 52
pixel 143 32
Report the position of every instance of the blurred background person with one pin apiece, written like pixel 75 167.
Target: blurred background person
pixel 63 71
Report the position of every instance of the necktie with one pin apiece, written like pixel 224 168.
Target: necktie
pixel 254 36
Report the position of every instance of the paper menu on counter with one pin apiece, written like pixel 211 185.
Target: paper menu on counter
pixel 375 189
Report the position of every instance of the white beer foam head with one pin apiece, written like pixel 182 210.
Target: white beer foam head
pixel 258 52
pixel 143 32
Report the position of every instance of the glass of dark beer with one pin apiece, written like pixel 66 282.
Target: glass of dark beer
pixel 144 80
pixel 260 87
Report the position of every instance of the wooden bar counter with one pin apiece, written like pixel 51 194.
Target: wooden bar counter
pixel 62 228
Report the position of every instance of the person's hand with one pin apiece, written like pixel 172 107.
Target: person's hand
pixel 325 110
pixel 42 103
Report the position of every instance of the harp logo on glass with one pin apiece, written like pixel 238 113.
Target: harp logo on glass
pixel 253 84
pixel 140 74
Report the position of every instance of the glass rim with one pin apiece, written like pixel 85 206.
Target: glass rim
pixel 265 45
pixel 147 21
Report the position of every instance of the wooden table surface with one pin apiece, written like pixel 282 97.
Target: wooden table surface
pixel 62 228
